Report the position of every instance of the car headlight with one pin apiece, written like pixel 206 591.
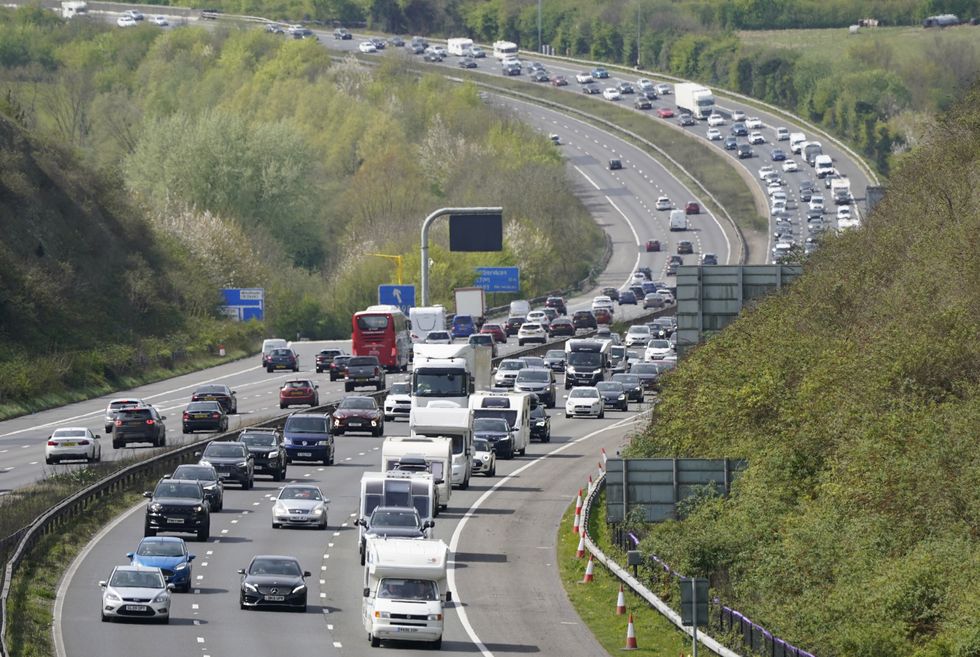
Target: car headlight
pixel 336 421
pixel 242 464
pixel 182 566
pixel 323 443
pixel 156 507
pixel 211 487
pixel 300 587
pixel 434 617
pixel 503 438
pixel 622 397
pixel 374 423
pixel 272 455
pixel 250 587
pixel 382 614
pixel 317 511
pixel 109 595
pixel 163 596
pixel 279 508
pixel 198 508
pixel 540 423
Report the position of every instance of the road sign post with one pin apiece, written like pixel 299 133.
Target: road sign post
pixel 424 248
pixel 694 605
pixel 402 296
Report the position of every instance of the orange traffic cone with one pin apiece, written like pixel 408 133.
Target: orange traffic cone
pixel 576 523
pixel 630 635
pixel 600 466
pixel 589 568
pixel 604 457
pixel 620 602
pixel 590 484
pixel 578 502
pixel 580 552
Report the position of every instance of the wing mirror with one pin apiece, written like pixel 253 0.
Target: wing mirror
pixel 102 584
pixel 449 596
pixel 428 524
pixel 191 557
pixel 367 592
pixel 148 493
pixel 306 573
pixel 240 571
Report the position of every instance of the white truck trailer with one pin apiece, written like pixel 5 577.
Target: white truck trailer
pixel 455 424
pixel 471 301
pixel 449 372
pixel 405 588
pixel 435 454
pixel 695 99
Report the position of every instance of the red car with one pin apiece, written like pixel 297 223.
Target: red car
pixel 300 391
pixel 653 245
pixel 665 113
pixel 602 316
pixel 357 413
pixel 496 330
pixel 692 208
pixel 562 326
pixel 559 81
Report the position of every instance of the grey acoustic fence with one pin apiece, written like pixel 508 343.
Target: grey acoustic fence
pixel 657 485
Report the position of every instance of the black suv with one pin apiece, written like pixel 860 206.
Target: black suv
pixel 338 367
pixel 513 324
pixel 208 477
pixel 178 505
pixel 142 424
pixel 232 460
pixel 342 34
pixel 558 303
pixel 268 451
pixel 540 424
pixel 325 357
pixel 584 319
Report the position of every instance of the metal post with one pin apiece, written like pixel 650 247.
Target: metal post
pixel 540 50
pixel 637 34
pixel 694 614
pixel 425 240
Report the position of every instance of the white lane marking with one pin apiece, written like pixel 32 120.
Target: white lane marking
pixel 586 176
pixel 330 627
pixel 200 639
pixel 457 533
pixel 629 223
pixel 337 644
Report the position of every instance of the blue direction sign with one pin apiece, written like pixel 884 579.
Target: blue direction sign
pixel 243 304
pixel 402 296
pixel 498 279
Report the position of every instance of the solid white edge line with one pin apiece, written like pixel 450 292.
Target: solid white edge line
pixel 454 541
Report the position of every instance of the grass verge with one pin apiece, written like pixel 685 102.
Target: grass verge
pixel 596 602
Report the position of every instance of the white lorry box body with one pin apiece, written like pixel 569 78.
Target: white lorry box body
pixel 515 407
pixel 811 150
pixel 437 452
pixel 455 424
pixel 471 301
pixel 449 372
pixel 694 98
pixel 425 319
pixel 396 489
pixel 796 141
pixel 405 588
pixel 458 46
pixel 678 220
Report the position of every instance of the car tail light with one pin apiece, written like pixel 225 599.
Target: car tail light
pixel 52 443
pixel 150 422
pixel 118 423
pixel 215 416
pixel 186 415
pixel 83 442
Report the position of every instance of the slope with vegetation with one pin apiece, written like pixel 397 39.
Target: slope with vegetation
pixel 855 397
pixel 237 158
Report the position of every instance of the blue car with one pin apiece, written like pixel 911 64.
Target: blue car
pixel 307 437
pixel 169 554
pixel 600 73
pixel 463 326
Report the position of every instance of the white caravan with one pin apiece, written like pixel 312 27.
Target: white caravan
pixel 455 424
pixel 424 319
pixel 422 454
pixel 515 407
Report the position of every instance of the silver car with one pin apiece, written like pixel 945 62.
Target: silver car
pixel 300 505
pixel 136 592
pixel 117 405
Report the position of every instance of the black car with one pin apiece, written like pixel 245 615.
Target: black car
pixel 497 432
pixel 627 297
pixel 141 424
pixel 397 41
pixel 540 76
pixel 739 130
pixel 513 324
pixel 282 359
pixel 685 246
pixel 611 292
pixel 555 360
pixel 744 151
pixel 392 522
pixel 632 385
pixel 730 144
pixel 540 424
pixel 267 450
pixel 591 89
pixel 558 303
pixel 466 62
pixel 325 357
pixel 232 461
pixel 626 88
pixel 646 271
pixel 613 394
pixel 342 34
pixel 204 416
pixel 615 164
pixel 207 476
pixel 649 94
pixel 378 42
pixel 676 260
pixel 709 259
pixel 177 505
pixel 273 581
pixel 338 367
pixel 686 119
pixel 638 292
pixel 584 319
pixel 219 393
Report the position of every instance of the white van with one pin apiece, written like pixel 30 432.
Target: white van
pixel 823 165
pixel 455 424
pixel 678 220
pixel 435 452
pixel 796 141
pixel 515 407
pixel 270 344
pixel 519 308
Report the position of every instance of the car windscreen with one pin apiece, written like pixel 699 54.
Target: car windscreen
pixel 481 445
pixel 609 386
pixel 403 388
pixel 511 365
pixel 194 473
pixel 136 579
pixel 644 368
pixel 286 567
pixel 581 393
pixel 300 493
pixel 200 407
pixel 626 379
pixel 584 358
pixel 116 405
pixel 538 376
pixel 282 352
pixel 640 329
pixel 555 354
pixel 258 439
pixel 407 589
pixel 360 403
pixel 659 344
pixel 491 424
pixel 225 450
pixel 393 519
pixel 508 416
pixel 436 383
pixel 158 548
pixel 178 490
pixel 306 425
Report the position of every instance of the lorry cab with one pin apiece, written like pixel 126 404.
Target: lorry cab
pixel 454 423
pixel 435 454
pixel 515 408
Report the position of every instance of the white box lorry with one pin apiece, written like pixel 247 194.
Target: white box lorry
pixel 449 372
pixel 405 588
pixel 425 455
pixel 455 424
pixel 471 301
pixel 695 99
pixel 840 189
pixel 424 319
pixel 459 46
pixel 515 407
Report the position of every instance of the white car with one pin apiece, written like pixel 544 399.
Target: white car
pixel 790 165
pixel 714 134
pixel 766 171
pixel 773 187
pixel 159 20
pixel 782 134
pixel 366 47
pixel 136 592
pixel 639 278
pixel 753 123
pixel 645 85
pixel 538 317
pixel 399 400
pixel 843 212
pixel 816 202
pixel 116 405
pixel 756 138
pixel 738 115
pixel 584 400
pixel 583 78
pixel 484 457
pixel 531 332
pixel 667 296
pixel 134 14
pixel 73 444
pixel 611 93
pixel 663 203
pixel 779 196
pixel 716 119
pixel 657 350
pixel 126 21
pixel 638 334
pixel 300 505
pixel 663 89
pixel 602 301
pixel 439 50
pixel 439 337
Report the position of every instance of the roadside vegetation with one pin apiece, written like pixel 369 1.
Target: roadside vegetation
pixel 144 170
pixel 855 398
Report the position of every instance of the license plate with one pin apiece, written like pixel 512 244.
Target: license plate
pixel 175 521
pixel 354 423
pixel 275 598
pixel 200 416
pixel 136 607
pixel 406 629
pixel 224 475
pixel 69 444
pixel 297 518
pixel 305 454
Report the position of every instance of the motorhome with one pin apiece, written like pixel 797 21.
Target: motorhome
pixel 504 49
pixel 405 587
pixel 585 362
pixel 424 319
pixel 449 372
pixel 455 424
pixel 513 407
pixel 73 8
pixel 458 46
pixel 432 455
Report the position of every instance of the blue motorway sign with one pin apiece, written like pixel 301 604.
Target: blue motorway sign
pixel 243 304
pixel 498 279
pixel 402 296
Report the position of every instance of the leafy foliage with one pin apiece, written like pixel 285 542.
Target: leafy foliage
pixel 855 397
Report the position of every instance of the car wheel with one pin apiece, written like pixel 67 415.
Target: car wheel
pixel 204 533
pixel 389 418
pixel 348 387
pixel 520 343
pixel 186 588
pixel 276 525
pixel 437 644
pixel 302 609
pixel 296 369
pixel 149 531
pixel 375 641
pixel 269 370
pixel 493 471
pixel 281 406
pixel 323 525
pixel 465 484
pixel 547 438
pixel 567 416
pixel 331 458
pixel 241 603
pixel 162 441
pixel 522 451
pixel 184 429
pixel 106 619
pixel 602 414
pixel 49 461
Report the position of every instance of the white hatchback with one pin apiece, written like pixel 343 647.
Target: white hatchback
pixel 602 302
pixel 714 134
pixel 136 592
pixel 790 166
pixel 657 350
pixel 663 203
pixel 584 401
pixel 611 93
pixel 538 317
pixel 72 444
pixel 638 334
pixel 715 120
pixel 531 332
pixel 753 123
pixel 399 401
pixel 366 47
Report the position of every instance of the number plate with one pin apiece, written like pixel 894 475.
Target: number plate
pixel 136 607
pixel 275 598
pixel 200 416
pixel 69 444
pixel 406 629
pixel 175 521
pixel 305 454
